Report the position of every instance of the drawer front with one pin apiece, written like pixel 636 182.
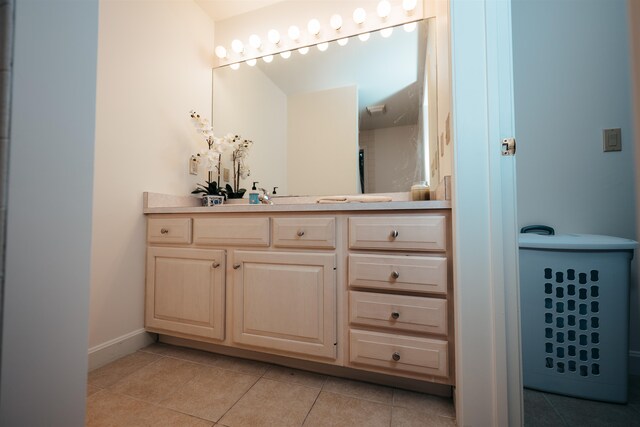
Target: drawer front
pixel 319 233
pixel 399 353
pixel 231 231
pixel 399 273
pixel 169 230
pixel 398 312
pixel 416 233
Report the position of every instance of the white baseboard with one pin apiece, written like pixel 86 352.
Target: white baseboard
pixel 634 362
pixel 118 347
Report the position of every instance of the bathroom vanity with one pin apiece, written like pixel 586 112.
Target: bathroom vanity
pixel 364 286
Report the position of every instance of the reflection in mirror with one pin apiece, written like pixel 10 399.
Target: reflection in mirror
pixel 348 120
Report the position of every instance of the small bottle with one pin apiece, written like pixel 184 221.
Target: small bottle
pixel 420 191
pixel 254 195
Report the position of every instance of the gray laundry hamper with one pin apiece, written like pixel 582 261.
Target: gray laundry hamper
pixel 575 314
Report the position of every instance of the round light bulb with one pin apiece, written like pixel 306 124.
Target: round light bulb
pixel 314 27
pixel 235 66
pixel 237 46
pixel 409 5
pixel 336 22
pixel 294 33
pixel 273 36
pixel 409 27
pixel 251 62
pixel 303 50
pixel 267 58
pixel 359 16
pixel 286 54
pixel 386 32
pixel 384 9
pixel 221 52
pixel 323 46
pixel 343 42
pixel 364 36
pixel 255 41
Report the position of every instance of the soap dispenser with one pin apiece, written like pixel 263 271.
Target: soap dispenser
pixel 254 195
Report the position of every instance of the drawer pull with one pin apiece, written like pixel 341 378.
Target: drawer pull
pixel 394 234
pixel 164 231
pixel 395 274
pixel 236 266
pixel 215 264
pixel 300 233
pixel 396 356
pixel 395 315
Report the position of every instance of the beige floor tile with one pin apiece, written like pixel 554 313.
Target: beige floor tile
pixel 244 366
pixel 403 417
pixel 211 393
pixel 376 393
pixel 334 410
pixel 183 353
pixel 271 403
pixel 295 376
pixel 108 375
pixel 425 403
pixel 92 390
pixel 106 409
pixel 158 380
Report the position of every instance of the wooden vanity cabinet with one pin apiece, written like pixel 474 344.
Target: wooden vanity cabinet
pixel 285 301
pixel 370 291
pixel 185 291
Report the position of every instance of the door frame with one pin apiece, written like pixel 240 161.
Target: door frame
pixel 488 364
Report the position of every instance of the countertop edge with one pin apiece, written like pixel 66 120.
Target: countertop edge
pixel 304 207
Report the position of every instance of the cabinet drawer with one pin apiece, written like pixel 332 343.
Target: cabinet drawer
pixel 399 353
pixel 398 312
pixel 317 233
pixel 416 233
pixel 169 230
pixel 231 231
pixel 400 273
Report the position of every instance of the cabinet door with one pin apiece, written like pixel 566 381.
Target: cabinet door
pixel 185 291
pixel 285 302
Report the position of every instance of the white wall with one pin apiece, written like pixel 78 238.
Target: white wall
pixel 154 65
pixel 313 143
pixel 572 79
pixel 248 103
pixel 44 337
pixel 390 146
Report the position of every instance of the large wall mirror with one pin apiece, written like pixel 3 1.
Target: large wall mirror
pixel 354 118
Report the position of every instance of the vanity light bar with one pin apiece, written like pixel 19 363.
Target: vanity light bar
pixel 384 10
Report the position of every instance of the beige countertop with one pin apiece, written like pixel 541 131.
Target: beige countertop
pixel 155 203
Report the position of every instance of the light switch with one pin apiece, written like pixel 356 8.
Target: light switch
pixel 612 139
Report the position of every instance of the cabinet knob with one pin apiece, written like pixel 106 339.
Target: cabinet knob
pixel 396 356
pixel 236 266
pixel 395 274
pixel 164 231
pixel 394 234
pixel 395 315
pixel 300 233
pixel 215 264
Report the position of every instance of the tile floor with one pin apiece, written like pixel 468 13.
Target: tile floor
pixel 163 385
pixel 546 409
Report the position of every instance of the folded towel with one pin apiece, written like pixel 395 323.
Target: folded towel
pixel 354 199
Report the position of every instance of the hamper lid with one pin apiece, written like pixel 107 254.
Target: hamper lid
pixel 576 242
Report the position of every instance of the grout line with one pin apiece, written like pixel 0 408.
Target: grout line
pixel 236 402
pixel 311 407
pixel 544 395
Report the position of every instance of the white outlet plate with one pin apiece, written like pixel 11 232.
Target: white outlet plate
pixel 193 165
